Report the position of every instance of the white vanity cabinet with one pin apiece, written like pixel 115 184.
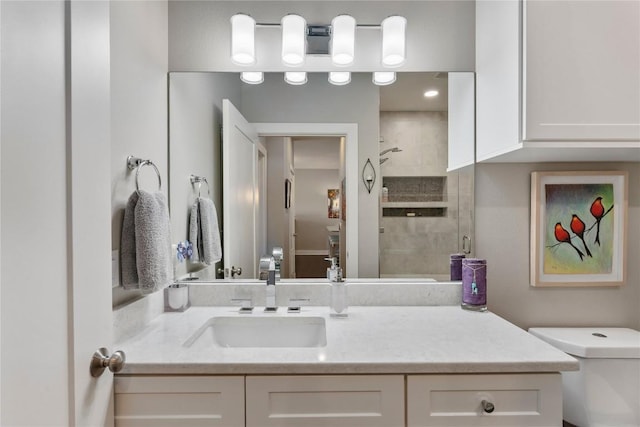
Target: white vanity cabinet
pixel 557 81
pixel 325 400
pixel 179 401
pixel 484 400
pixel 533 399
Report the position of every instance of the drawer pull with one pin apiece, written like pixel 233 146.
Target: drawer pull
pixel 487 406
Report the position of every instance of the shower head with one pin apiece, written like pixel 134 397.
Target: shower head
pixel 392 150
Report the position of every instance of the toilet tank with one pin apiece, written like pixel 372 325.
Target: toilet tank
pixel 606 389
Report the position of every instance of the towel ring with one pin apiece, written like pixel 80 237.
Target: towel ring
pixel 136 163
pixel 199 180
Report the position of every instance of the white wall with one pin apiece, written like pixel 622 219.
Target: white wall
pixel 34 216
pixel 440 34
pixel 138 105
pixel 502 237
pixel 195 103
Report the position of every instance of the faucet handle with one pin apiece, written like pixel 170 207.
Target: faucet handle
pixel 246 307
pixel 294 306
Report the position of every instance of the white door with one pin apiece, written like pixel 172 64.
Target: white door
pixel 89 137
pixel 239 154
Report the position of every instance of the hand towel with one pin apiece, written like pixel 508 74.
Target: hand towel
pixel 145 245
pixel 204 232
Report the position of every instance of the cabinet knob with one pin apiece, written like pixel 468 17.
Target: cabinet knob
pixel 487 406
pixel 101 360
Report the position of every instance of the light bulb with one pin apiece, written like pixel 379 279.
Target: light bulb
pixel 252 77
pixel 339 78
pixel 383 78
pixel 343 33
pixel 293 40
pixel 243 49
pixel 393 41
pixel 295 77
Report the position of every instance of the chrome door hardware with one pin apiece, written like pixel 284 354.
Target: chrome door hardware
pixel 235 271
pixel 101 360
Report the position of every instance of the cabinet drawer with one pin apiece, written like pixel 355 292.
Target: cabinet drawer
pixel 168 401
pixel 455 400
pixel 339 400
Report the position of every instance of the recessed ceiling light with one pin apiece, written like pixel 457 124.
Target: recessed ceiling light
pixel 431 93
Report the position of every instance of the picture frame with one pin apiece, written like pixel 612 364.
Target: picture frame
pixel 287 193
pixel 333 203
pixel 578 228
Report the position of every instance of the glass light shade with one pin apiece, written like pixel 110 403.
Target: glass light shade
pixel 252 77
pixel 293 40
pixel 383 78
pixel 393 41
pixel 343 34
pixel 243 45
pixel 295 77
pixel 339 78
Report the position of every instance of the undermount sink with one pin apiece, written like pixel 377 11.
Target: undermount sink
pixel 261 331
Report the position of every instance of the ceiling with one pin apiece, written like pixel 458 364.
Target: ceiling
pixel 407 93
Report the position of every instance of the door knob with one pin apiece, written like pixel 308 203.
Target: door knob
pixel 101 360
pixel 235 271
pixel 487 406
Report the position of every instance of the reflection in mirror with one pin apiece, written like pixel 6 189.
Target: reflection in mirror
pixel 421 204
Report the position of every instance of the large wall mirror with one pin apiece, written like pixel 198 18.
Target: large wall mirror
pixel 309 172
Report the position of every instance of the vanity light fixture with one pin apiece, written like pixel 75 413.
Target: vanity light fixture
pixel 243 44
pixel 252 77
pixel 431 93
pixel 295 77
pixel 336 41
pixel 339 78
pixel 383 78
pixel 393 41
pixel 343 38
pixel 293 40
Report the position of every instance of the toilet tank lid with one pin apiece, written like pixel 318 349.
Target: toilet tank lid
pixel 605 343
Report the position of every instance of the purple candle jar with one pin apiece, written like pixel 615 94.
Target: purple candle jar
pixel 474 284
pixel 456 266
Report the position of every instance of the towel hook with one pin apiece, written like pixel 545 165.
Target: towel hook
pixel 199 180
pixel 137 163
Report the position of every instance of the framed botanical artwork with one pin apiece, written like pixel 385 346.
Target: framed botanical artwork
pixel 578 228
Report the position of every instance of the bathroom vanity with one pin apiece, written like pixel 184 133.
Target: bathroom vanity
pixel 381 366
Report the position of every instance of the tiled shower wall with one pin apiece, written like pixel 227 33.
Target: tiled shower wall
pixel 420 246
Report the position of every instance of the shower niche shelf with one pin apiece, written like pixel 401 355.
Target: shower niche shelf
pixel 415 196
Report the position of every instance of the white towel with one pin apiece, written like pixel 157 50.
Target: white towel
pixel 204 233
pixel 145 244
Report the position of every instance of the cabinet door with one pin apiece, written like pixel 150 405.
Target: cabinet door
pixel 303 401
pixel 457 400
pixel 581 70
pixel 168 401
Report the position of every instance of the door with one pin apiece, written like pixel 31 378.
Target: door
pixel 89 194
pixel 239 154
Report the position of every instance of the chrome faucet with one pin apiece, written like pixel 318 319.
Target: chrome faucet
pixel 270 304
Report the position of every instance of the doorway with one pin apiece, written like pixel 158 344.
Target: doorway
pixel 348 132
pixel 319 171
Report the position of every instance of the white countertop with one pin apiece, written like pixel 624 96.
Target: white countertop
pixel 376 340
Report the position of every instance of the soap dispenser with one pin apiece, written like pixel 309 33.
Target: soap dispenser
pixel 339 303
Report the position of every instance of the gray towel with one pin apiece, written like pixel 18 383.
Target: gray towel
pixel 145 245
pixel 204 232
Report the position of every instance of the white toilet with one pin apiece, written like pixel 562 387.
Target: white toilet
pixel 606 390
